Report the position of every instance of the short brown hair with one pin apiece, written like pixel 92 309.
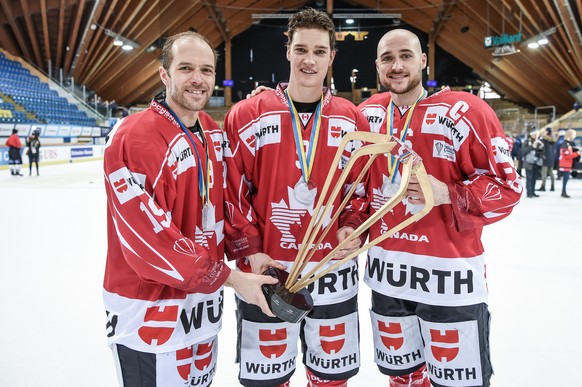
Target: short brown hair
pixel 311 19
pixel 168 56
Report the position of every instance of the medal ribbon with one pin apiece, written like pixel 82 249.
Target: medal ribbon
pixel 203 181
pixel 306 161
pixel 394 161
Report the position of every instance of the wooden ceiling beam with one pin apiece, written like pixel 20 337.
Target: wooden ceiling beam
pixel 61 30
pixel 572 30
pixel 218 18
pixel 30 30
pixel 549 63
pixel 555 21
pixel 106 43
pixel 151 80
pixel 45 33
pixel 124 30
pixel 149 68
pixel 478 11
pixel 97 39
pixel 149 33
pixel 73 37
pixel 7 8
pixel 7 41
pixel 83 48
pixel 119 59
pixel 515 81
pixel 443 17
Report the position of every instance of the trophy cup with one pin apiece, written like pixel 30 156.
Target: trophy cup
pixel 289 299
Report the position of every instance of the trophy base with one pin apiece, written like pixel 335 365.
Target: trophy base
pixel 288 306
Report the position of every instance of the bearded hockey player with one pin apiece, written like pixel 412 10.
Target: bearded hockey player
pixel 165 269
pixel 429 295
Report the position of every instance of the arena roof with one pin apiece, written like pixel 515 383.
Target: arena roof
pixel 76 36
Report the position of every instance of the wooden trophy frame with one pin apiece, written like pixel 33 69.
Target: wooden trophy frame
pixel 291 301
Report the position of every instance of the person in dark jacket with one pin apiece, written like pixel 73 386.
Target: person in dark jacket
pixel 533 153
pixel 33 144
pixel 516 153
pixel 549 141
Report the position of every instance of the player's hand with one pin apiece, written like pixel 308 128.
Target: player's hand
pixel 348 248
pixel 440 191
pixel 261 262
pixel 257 91
pixel 248 285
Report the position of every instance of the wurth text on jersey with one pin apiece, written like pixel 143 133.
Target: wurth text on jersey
pixel 418 278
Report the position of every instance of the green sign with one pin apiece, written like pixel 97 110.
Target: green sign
pixel 496 40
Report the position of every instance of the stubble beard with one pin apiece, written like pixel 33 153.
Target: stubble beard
pixel 413 82
pixel 180 98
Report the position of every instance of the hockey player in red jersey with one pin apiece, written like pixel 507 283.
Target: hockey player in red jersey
pixel 165 261
pixel 429 312
pixel 282 144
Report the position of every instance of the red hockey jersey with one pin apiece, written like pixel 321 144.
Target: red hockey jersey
pixel 462 144
pixel 165 271
pixel 262 165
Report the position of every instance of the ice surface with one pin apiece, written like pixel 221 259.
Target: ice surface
pixel 52 324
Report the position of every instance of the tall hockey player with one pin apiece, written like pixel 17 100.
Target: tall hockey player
pixel 429 293
pixel 282 144
pixel 165 262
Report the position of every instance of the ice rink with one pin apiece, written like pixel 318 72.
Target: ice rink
pixel 52 325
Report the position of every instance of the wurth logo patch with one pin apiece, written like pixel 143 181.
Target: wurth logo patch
pixel 247 137
pixel 184 360
pixel 335 132
pixel 391 335
pixel 203 358
pixel 251 140
pixel 217 140
pixel 337 128
pixel 272 342
pixel 430 118
pixel 174 169
pixel 126 185
pixel 156 334
pixel 445 344
pixel 332 337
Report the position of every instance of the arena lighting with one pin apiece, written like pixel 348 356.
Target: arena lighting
pixel 366 16
pixel 257 17
pixel 539 40
pixel 120 41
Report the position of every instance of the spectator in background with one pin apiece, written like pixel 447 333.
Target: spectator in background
pixel 516 154
pixel 549 142
pixel 113 108
pixel 533 153
pixel 14 157
pixel 568 153
pixel 33 144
